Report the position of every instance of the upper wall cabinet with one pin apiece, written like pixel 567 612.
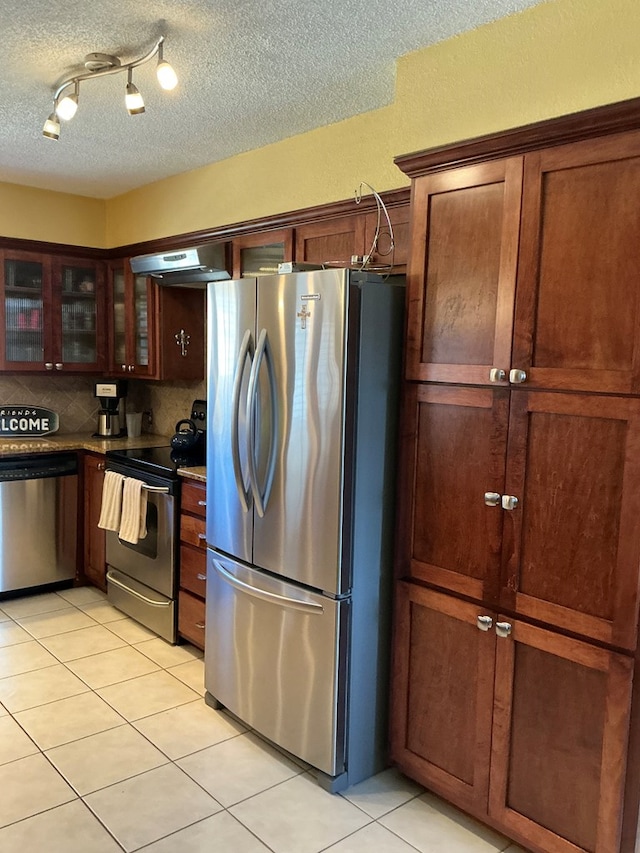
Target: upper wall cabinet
pixel 154 332
pixel 536 233
pixel 333 241
pixel 462 272
pixel 52 313
pixel 376 229
pixel 578 307
pixel 260 254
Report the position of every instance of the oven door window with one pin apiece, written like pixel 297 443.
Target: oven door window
pixel 147 547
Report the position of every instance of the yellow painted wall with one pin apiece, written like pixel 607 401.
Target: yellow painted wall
pixel 53 217
pixel 556 58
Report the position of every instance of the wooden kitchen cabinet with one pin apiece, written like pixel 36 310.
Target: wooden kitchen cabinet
pixel 399 217
pixel 52 313
pixel 522 727
pixel 95 562
pixel 260 254
pixel 332 241
pixel 461 276
pixel 193 563
pixel 154 332
pixel 536 232
pixel 518 487
pixel 567 553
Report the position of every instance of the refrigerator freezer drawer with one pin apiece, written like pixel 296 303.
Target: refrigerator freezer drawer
pixel 275 657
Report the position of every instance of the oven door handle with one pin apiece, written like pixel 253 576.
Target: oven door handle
pixel 135 593
pixel 159 490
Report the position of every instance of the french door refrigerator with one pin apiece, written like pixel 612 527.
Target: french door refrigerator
pixel 303 373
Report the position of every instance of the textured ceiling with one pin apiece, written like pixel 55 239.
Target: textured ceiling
pixel 250 73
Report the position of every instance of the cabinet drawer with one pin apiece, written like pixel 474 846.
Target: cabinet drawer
pixel 193 570
pixel 194 496
pixel 192 530
pixel 191 614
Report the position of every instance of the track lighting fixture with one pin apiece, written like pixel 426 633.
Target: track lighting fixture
pixel 99 65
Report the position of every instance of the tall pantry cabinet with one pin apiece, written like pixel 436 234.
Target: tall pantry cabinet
pixel 518 544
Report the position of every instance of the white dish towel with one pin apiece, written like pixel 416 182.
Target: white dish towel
pixel 111 507
pixel 133 524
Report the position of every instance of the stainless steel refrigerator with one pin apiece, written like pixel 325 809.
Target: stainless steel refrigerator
pixel 303 374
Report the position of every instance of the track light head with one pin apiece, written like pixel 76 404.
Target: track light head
pixel 167 77
pixel 51 129
pixel 67 107
pixel 133 99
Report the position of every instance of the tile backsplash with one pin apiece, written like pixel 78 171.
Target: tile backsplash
pixel 72 398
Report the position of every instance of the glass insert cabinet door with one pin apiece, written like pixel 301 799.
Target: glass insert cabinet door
pixel 130 309
pixel 23 310
pixel 142 321
pixel 78 314
pixel 261 260
pixel 119 327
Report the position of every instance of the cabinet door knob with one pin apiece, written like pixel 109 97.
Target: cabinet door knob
pixel 202 503
pixel 509 502
pixel 101 466
pixel 131 368
pixel 201 577
pixel 59 365
pixel 496 374
pixel 517 376
pixel 503 629
pixel 123 366
pixel 202 536
pixel 492 498
pixel 49 365
pixel 200 625
pixel 484 623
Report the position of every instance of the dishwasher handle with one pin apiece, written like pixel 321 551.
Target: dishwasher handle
pixel 21 468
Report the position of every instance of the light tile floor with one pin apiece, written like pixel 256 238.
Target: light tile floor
pixel 107 745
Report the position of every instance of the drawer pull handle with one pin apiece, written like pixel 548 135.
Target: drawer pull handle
pixel 200 625
pixel 202 536
pixel 201 577
pixel 202 503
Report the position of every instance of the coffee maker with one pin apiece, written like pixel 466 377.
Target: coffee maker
pixel 109 393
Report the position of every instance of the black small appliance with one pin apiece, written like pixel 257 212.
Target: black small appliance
pixel 189 443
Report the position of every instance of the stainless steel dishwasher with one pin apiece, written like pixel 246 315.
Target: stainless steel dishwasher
pixel 38 520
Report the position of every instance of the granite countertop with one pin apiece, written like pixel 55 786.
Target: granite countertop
pixel 84 441
pixel 197 473
pixel 77 441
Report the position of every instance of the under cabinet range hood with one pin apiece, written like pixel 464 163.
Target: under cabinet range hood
pixel 184 267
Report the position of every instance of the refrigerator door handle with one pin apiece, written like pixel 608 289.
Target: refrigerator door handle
pixel 263 353
pixel 246 352
pixel 271 597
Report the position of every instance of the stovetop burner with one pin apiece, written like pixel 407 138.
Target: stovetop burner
pixel 161 461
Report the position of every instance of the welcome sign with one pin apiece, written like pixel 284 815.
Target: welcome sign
pixel 27 421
